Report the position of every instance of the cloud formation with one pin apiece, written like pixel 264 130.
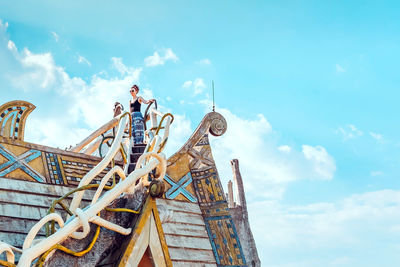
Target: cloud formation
pixel 197 85
pixel 55 36
pixel 349 131
pixel 83 60
pixel 377 137
pixel 317 229
pixel 204 61
pixel 90 102
pixel 266 165
pixel 156 59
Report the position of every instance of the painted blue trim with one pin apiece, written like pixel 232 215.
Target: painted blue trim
pixel 179 187
pixel 211 237
pixel 229 217
pixel 14 163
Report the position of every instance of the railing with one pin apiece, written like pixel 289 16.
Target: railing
pixel 152 158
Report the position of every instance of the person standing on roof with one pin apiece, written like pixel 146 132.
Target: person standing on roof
pixel 137 117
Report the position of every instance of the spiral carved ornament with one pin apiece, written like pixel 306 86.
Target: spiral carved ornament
pixel 218 124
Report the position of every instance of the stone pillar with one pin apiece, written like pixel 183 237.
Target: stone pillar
pixel 231 201
pixel 237 177
pixel 241 218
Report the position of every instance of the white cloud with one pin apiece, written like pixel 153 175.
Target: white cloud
pixel 83 60
pixel 377 137
pixel 3 25
pixel 197 85
pixel 313 231
pixel 323 164
pixel 204 61
pixel 285 149
pixel 349 131
pixel 340 68
pixel 120 66
pixel 38 70
pixel 180 132
pixel 11 46
pixel 88 104
pixel 55 36
pixel 187 84
pixel 267 166
pixel 156 59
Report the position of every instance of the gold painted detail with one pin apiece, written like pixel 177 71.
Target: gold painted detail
pixel 13 116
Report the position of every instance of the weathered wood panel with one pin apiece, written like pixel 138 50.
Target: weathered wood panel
pixel 187 218
pixel 23 204
pixel 185 234
pixel 185 229
pixel 28 199
pixel 17 225
pixel 38 189
pixel 19 211
pixel 192 264
pixel 181 206
pixel 194 255
pixel 16 240
pixel 188 242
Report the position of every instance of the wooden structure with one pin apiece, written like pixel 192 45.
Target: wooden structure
pixel 189 225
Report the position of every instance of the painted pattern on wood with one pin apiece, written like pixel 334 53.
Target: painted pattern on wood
pixel 12 118
pixel 25 161
pixel 180 187
pixel 218 221
pixel 225 241
pixel 20 162
pixel 196 156
pixel 53 166
pixel 208 186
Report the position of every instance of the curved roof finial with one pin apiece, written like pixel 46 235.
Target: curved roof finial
pixel 13 116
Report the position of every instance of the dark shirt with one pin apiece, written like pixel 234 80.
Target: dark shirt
pixel 135 106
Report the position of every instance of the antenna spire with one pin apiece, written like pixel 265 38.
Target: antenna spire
pixel 213 96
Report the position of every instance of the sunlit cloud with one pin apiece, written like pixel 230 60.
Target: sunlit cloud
pixel 156 59
pixel 377 137
pixel 55 36
pixel 349 131
pixel 197 85
pixel 83 60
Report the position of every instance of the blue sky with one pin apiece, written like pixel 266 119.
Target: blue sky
pixel 309 90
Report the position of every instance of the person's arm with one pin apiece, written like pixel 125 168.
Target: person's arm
pixel 142 100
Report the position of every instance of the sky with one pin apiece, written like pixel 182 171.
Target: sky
pixel 309 90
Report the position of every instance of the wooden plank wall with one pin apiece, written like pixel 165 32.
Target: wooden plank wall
pixel 22 204
pixel 186 234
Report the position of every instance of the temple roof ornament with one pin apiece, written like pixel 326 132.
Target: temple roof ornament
pixel 13 116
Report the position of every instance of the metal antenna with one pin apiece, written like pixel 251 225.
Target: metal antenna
pixel 213 96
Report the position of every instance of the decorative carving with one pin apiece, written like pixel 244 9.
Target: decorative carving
pixel 20 162
pixel 219 128
pixel 196 157
pixel 225 241
pixel 13 116
pixel 218 124
pixel 179 187
pixel 201 158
